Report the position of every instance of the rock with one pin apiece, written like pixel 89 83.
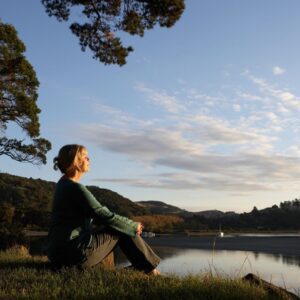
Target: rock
pixel 272 289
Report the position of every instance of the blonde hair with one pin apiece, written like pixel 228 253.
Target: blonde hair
pixel 69 159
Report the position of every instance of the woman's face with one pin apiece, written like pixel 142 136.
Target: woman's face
pixel 85 161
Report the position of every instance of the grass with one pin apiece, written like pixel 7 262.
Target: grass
pixel 29 277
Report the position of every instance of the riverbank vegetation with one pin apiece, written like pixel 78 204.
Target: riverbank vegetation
pixel 30 277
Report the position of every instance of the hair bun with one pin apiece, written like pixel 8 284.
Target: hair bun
pixel 55 163
pixel 68 159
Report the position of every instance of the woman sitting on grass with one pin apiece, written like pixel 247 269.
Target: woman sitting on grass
pixel 72 240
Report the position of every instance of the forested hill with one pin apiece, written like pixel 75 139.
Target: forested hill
pixel 285 216
pixel 31 199
pixel 158 207
pixel 161 208
pixel 26 202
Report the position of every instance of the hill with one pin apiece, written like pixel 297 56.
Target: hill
pixel 26 202
pixel 214 214
pixel 286 216
pixel 31 200
pixel 161 208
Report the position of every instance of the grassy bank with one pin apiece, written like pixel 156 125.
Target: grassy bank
pixel 26 277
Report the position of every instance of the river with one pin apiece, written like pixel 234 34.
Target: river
pixel 274 258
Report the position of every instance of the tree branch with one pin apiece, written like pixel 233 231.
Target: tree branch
pixel 95 9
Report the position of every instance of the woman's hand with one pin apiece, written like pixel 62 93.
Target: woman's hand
pixel 140 228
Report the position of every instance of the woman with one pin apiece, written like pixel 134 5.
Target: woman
pixel 72 241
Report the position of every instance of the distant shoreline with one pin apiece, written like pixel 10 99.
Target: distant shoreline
pixel 284 245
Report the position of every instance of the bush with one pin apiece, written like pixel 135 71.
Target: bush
pixel 10 237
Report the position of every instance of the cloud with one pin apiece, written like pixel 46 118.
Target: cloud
pixel 161 98
pixel 161 147
pixel 110 112
pixel 248 96
pixel 293 150
pixel 214 131
pixel 243 174
pixel 247 167
pixel 189 135
pixel 287 99
pixel 188 183
pixel 230 147
pixel 236 107
pixel 278 71
pixel 142 143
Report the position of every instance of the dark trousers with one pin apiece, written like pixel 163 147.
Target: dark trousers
pixel 137 251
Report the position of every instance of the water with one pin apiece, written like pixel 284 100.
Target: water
pixel 280 270
pixel 266 234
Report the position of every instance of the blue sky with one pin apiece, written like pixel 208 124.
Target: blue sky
pixel 203 116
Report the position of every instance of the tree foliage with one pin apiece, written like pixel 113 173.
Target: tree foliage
pixel 10 230
pixel 159 223
pixel 18 96
pixel 7 212
pixel 105 17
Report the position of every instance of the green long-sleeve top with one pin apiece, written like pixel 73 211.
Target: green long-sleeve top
pixel 74 210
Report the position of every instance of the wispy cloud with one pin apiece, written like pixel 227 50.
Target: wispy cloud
pixel 143 143
pixel 189 183
pixel 287 98
pixel 248 96
pixel 278 70
pixel 233 149
pixel 243 174
pixel 161 98
pixel 237 107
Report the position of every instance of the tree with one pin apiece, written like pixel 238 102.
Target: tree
pixel 159 223
pixel 11 233
pixel 255 211
pixel 7 212
pixel 18 96
pixel 105 17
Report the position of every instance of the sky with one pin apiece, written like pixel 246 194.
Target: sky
pixel 204 115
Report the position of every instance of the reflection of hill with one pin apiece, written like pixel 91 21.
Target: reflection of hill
pixel 291 260
pixel 163 252
pixel 168 252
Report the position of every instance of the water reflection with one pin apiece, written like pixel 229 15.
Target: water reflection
pixel 280 258
pixel 278 269
pixel 282 270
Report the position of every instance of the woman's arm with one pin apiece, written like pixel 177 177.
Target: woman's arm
pixel 102 214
